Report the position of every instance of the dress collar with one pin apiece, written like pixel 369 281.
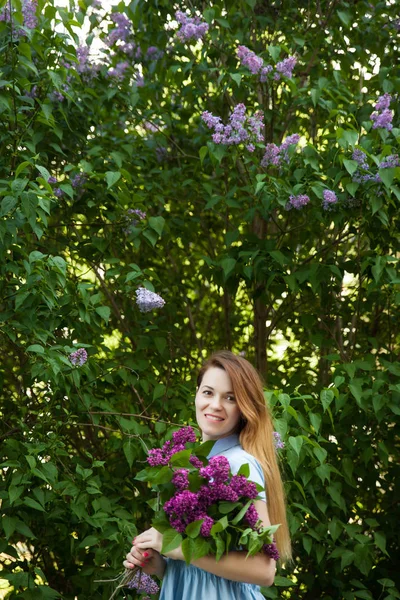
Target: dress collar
pixel 224 444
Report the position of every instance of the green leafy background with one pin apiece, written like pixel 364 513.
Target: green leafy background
pixel 311 297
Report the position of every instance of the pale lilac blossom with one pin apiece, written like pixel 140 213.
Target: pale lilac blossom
pixel 329 199
pixel 297 202
pixel 286 66
pixel 279 444
pixel 78 358
pixel 143 583
pixel 249 59
pixel 390 162
pixel 192 28
pixel 147 300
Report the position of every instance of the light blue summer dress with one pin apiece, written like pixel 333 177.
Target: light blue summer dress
pixel 187 582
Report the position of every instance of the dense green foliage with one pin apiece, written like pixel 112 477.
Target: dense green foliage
pixel 310 295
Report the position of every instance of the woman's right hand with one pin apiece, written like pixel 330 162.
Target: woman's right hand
pixel 150 561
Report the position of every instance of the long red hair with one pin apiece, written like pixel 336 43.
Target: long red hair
pixel 255 434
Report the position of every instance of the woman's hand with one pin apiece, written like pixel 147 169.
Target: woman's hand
pixel 150 561
pixel 151 538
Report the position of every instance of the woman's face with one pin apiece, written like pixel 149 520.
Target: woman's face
pixel 217 412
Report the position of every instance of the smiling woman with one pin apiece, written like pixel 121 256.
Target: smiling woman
pixel 230 409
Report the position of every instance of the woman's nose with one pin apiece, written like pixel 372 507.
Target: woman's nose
pixel 216 401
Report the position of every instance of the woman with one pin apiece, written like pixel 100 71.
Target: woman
pixel 230 408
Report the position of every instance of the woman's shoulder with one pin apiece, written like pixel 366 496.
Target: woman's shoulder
pixel 237 457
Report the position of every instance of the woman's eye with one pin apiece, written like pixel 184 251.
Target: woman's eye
pixel 231 398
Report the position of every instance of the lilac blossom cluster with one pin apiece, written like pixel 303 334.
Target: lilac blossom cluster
pixel 29 8
pixel 143 583
pixel 131 49
pixel 382 116
pixel 297 202
pixel 192 28
pixel 79 180
pixel 154 53
pixel 147 300
pixel 360 157
pixel 253 519
pixel 185 506
pixel 279 443
pixel 256 66
pixel 329 199
pixel 240 129
pixel 275 154
pixel 78 358
pixel 131 221
pixel 162 456
pixel 122 30
pixel 118 72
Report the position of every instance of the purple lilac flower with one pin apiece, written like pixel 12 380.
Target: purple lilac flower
pixel 279 444
pixel 275 154
pixel 382 120
pixel 58 192
pixel 196 462
pixel 243 487
pixel 383 102
pixel 147 300
pixel 286 66
pixel 143 583
pixel 249 59
pixel 184 435
pixel 118 71
pixel 252 517
pixel 122 30
pixel 32 92
pixel 5 14
pixel 29 8
pixel 52 179
pixel 330 199
pixel 297 201
pixel 131 49
pixel 183 508
pixel 192 28
pixel 271 550
pixel 264 73
pixel 359 178
pixel 79 357
pixel 78 180
pixel 390 162
pixel 217 469
pixel 205 528
pixel 361 158
pixel 271 156
pixel 56 96
pixel 240 128
pixel 154 53
pixel 180 479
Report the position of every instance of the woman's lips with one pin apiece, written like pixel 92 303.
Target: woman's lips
pixel 213 418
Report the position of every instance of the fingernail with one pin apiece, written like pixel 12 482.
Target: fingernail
pixel 143 564
pixel 131 566
pixel 145 553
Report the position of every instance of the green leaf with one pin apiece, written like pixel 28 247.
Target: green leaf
pixel 35 348
pixel 204 449
pixel 171 540
pixel 44 172
pixel 33 504
pixel 274 52
pixel 193 529
pixel 203 153
pixel 7 204
pixel 181 459
pixel 237 78
pixel 104 312
pixel 240 514
pixel 345 17
pixel 380 541
pixel 90 540
pixel 187 549
pixel 228 265
pixel 351 166
pixel 129 451
pixel 244 470
pixel 296 443
pixel 157 223
pixel 326 397
pixel 112 177
pixel 387 176
pixel 163 476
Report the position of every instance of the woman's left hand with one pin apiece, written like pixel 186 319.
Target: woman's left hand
pixel 151 538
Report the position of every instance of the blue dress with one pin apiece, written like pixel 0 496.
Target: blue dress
pixel 187 582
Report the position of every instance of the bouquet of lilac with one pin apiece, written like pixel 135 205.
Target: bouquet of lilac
pixel 200 504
